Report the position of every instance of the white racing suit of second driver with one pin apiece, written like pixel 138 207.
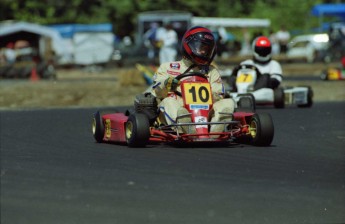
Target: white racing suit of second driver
pixel 170 103
pixel 271 73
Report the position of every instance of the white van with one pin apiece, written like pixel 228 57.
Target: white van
pixel 307 47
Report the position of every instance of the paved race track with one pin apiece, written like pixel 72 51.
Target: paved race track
pixel 52 171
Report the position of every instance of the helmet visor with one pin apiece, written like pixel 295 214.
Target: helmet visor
pixel 263 51
pixel 202 49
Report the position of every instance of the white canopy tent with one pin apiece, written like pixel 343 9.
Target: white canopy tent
pixel 220 24
pixel 230 22
pixel 11 28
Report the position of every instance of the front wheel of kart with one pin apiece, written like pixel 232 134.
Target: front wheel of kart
pixel 246 103
pixel 137 129
pixel 261 129
pixel 310 95
pixel 279 98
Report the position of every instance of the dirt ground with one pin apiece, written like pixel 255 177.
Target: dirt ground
pixel 118 87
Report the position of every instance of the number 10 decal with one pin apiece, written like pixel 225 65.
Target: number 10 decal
pixel 197 93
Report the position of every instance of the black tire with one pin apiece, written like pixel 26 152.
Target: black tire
pixel 137 130
pixel 25 72
pixel 98 127
pixel 279 98
pixel 261 129
pixel 11 72
pixel 310 96
pixel 4 70
pixel 246 103
pixel 98 124
pixel 48 72
pixel 324 75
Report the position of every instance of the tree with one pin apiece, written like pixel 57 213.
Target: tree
pixel 294 14
pixel 122 13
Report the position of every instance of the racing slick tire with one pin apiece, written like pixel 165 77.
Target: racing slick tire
pixel 98 127
pixel 279 98
pixel 261 129
pixel 246 103
pixel 137 130
pixel 310 95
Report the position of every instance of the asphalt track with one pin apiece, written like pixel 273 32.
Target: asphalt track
pixel 52 171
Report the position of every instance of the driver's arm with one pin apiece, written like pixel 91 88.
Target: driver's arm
pixel 158 88
pixel 276 75
pixel 217 86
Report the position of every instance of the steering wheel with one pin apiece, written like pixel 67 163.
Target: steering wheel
pixel 189 74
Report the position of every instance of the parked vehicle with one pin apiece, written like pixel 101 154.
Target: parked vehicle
pixel 309 48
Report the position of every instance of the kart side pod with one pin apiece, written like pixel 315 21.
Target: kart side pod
pixel 109 127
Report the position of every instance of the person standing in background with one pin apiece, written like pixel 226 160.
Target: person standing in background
pixel 245 45
pixel 10 53
pixel 283 37
pixel 169 40
pixel 222 41
pixel 150 39
pixel 275 45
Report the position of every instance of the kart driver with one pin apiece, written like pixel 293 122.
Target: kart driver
pixel 270 70
pixel 198 50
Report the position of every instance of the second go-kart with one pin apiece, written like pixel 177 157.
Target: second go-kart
pixel 142 125
pixel 280 97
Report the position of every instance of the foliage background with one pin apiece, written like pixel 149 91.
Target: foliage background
pixel 294 14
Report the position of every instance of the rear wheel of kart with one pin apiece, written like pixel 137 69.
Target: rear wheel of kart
pixel 310 95
pixel 98 125
pixel 279 98
pixel 246 103
pixel 137 130
pixel 261 129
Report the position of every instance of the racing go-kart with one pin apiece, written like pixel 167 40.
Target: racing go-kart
pixel 334 73
pixel 142 124
pixel 280 97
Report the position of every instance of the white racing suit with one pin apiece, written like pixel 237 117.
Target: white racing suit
pixel 170 104
pixel 271 74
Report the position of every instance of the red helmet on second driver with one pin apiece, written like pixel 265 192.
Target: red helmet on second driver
pixel 262 49
pixel 198 45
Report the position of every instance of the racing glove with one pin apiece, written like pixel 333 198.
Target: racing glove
pixel 171 84
pixel 273 83
pixel 217 96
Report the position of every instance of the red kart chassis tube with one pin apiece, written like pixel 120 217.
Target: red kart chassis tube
pixel 115 129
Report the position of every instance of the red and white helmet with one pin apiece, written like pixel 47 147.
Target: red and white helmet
pixel 198 45
pixel 262 49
